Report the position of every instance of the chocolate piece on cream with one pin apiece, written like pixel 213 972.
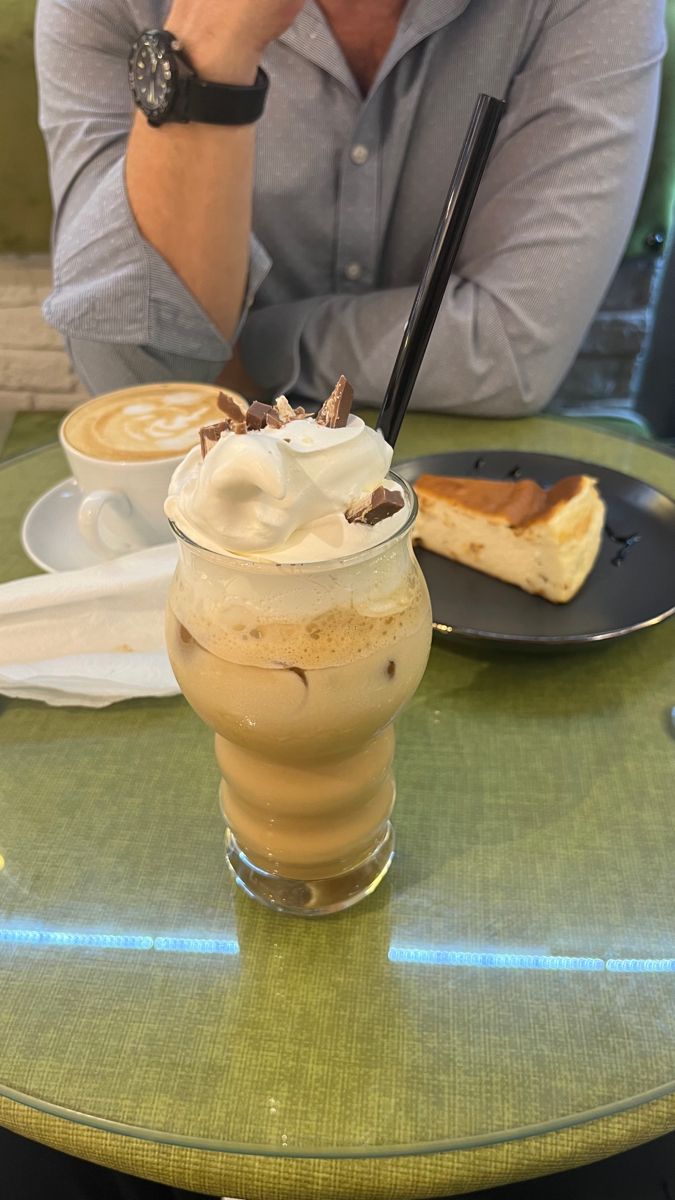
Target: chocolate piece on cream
pixel 284 410
pixel 370 510
pixel 233 412
pixel 258 415
pixel 336 409
pixel 210 434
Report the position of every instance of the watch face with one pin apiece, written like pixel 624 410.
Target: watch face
pixel 152 75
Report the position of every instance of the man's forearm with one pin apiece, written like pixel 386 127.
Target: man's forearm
pixel 190 189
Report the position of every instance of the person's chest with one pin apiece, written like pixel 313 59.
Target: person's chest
pixel 348 191
pixel 364 33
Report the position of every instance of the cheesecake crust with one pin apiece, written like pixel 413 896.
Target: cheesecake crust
pixel 516 504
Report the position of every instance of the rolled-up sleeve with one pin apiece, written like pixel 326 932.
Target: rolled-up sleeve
pixel 110 285
pixel 550 223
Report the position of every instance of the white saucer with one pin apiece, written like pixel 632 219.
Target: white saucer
pixel 50 534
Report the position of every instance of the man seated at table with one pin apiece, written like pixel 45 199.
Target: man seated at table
pixel 278 253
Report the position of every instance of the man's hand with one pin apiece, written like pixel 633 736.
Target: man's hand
pixel 235 377
pixel 224 39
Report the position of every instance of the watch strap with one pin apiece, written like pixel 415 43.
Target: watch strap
pixel 221 103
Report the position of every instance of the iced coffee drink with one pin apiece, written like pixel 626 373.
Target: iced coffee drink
pixel 298 626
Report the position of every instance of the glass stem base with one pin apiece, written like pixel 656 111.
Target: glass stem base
pixel 311 897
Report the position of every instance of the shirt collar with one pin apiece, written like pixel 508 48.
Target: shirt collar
pixel 426 16
pixel 310 35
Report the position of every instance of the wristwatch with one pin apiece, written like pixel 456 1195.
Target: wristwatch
pixel 166 88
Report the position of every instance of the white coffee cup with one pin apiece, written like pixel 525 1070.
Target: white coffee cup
pixel 122 507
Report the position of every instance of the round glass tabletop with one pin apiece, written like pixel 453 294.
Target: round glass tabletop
pixel 515 973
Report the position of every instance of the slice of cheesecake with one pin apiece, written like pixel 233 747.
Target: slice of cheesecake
pixel 544 541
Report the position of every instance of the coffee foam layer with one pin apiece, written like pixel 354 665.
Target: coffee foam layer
pixel 142 424
pixel 312 619
pixel 334 637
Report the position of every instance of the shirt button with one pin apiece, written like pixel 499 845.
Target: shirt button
pixel 359 154
pixel 353 270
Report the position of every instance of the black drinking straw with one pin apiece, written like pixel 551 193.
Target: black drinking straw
pixel 459 202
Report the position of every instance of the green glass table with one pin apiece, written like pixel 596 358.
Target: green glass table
pixel 501 1007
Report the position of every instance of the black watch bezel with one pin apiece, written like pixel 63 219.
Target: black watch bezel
pixel 162 46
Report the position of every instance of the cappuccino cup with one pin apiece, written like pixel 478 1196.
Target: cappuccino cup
pixel 123 448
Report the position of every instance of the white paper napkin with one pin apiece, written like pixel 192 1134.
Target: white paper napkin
pixel 89 637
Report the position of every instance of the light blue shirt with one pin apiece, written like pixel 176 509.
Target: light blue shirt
pixel 348 192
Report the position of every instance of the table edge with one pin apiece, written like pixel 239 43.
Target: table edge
pixel 485 1141
pixel 410 1177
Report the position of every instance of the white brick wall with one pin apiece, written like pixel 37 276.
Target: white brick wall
pixel 34 369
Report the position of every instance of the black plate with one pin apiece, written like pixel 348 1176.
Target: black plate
pixel 624 592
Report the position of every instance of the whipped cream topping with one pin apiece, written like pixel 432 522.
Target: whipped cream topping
pixel 281 494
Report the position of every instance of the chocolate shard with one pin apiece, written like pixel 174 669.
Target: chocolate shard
pixel 234 412
pixel 258 415
pixel 284 410
pixel 336 409
pixel 232 408
pixel 370 510
pixel 283 413
pixel 210 434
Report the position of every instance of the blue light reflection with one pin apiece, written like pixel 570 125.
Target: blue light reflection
pixel 58 937
pixel 122 941
pixel 434 956
pixel 196 945
pixel 437 957
pixel 641 965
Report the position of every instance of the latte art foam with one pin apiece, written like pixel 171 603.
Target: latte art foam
pixel 142 424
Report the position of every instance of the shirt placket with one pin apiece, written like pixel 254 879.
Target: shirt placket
pixel 357 225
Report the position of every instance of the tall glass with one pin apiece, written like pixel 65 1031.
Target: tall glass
pixel 300 669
